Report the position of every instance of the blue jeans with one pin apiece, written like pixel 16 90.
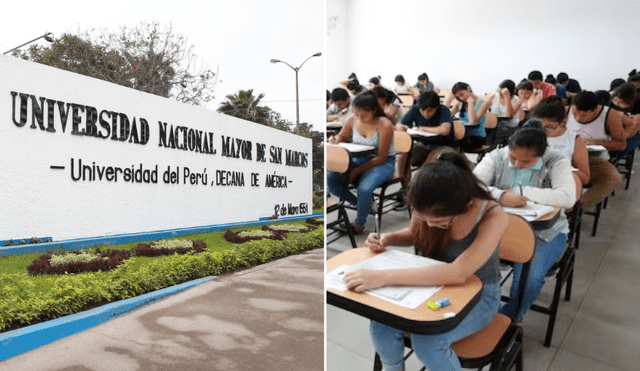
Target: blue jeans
pixel 367 183
pixel 434 351
pixel 544 256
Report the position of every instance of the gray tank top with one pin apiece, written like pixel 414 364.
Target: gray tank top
pixel 374 141
pixel 490 271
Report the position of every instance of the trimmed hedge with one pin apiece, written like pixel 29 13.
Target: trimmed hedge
pixel 71 293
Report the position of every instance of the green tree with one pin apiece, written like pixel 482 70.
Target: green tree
pixel 317 137
pixel 246 106
pixel 145 57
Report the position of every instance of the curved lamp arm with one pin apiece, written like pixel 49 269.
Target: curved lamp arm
pixel 47 36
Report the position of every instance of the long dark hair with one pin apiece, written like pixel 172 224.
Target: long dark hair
pixel 368 101
pixel 388 95
pixel 444 187
pixel 530 136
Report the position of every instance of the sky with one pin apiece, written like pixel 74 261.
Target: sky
pixel 236 37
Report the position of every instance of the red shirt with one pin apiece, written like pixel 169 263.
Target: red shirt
pixel 547 89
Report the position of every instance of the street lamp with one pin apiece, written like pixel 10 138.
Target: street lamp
pixel 47 36
pixel 296 69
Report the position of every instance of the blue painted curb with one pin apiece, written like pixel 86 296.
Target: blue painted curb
pixel 83 243
pixel 25 339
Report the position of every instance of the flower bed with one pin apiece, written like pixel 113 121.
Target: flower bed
pixel 77 262
pixel 169 247
pixel 289 228
pixel 316 221
pixel 21 305
pixel 242 237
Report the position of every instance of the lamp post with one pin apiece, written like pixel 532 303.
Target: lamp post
pixel 47 36
pixel 296 69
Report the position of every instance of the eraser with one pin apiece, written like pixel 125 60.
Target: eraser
pixel 432 305
pixel 443 302
pixel 449 315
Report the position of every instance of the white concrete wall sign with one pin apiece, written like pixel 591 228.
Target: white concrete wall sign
pixel 81 157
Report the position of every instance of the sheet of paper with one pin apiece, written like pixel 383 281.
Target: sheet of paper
pixel 353 147
pixel 532 211
pixel 420 132
pixel 407 296
pixel 596 148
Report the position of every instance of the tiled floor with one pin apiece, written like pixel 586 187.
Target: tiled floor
pixel 598 330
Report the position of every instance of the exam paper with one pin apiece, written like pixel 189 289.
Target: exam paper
pixel 407 296
pixel 420 132
pixel 355 147
pixel 532 211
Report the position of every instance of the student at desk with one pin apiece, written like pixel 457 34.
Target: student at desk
pixel 369 126
pixel 456 220
pixel 599 125
pixel 553 116
pixel 528 170
pixel 431 117
pixel 472 110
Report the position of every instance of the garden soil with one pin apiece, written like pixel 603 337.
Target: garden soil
pixel 268 317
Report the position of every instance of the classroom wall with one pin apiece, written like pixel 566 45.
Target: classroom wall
pixel 69 141
pixel 483 42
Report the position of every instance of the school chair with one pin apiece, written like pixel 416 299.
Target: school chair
pixel 574 215
pixel 406 99
pixel 595 213
pixel 387 201
pixel 490 123
pixel 458 129
pixel 563 269
pixel 624 165
pixel 339 161
pixel 500 343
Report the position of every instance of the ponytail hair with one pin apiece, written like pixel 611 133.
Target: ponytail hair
pixel 444 187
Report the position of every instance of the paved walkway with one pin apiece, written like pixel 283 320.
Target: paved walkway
pixel 269 317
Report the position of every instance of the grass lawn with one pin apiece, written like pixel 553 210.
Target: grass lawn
pixel 13 269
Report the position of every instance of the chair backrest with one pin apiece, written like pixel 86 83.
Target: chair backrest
pixel 490 120
pixel 402 141
pixel 458 130
pixel 445 95
pixel 518 242
pixel 578 186
pixel 338 158
pixel 406 99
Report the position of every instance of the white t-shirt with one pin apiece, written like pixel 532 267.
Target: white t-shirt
pixel 501 110
pixel 564 143
pixel 402 89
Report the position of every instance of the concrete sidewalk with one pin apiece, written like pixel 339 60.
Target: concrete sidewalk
pixel 269 317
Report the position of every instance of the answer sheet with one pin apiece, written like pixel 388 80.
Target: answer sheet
pixel 406 296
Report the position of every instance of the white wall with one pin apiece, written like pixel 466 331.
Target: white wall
pixel 36 200
pixel 483 42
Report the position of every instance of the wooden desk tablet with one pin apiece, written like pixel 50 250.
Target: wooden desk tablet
pixel 421 320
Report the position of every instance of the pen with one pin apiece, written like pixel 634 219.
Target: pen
pixel 377 229
pixel 521 189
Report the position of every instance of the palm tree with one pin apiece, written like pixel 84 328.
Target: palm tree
pixel 246 106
